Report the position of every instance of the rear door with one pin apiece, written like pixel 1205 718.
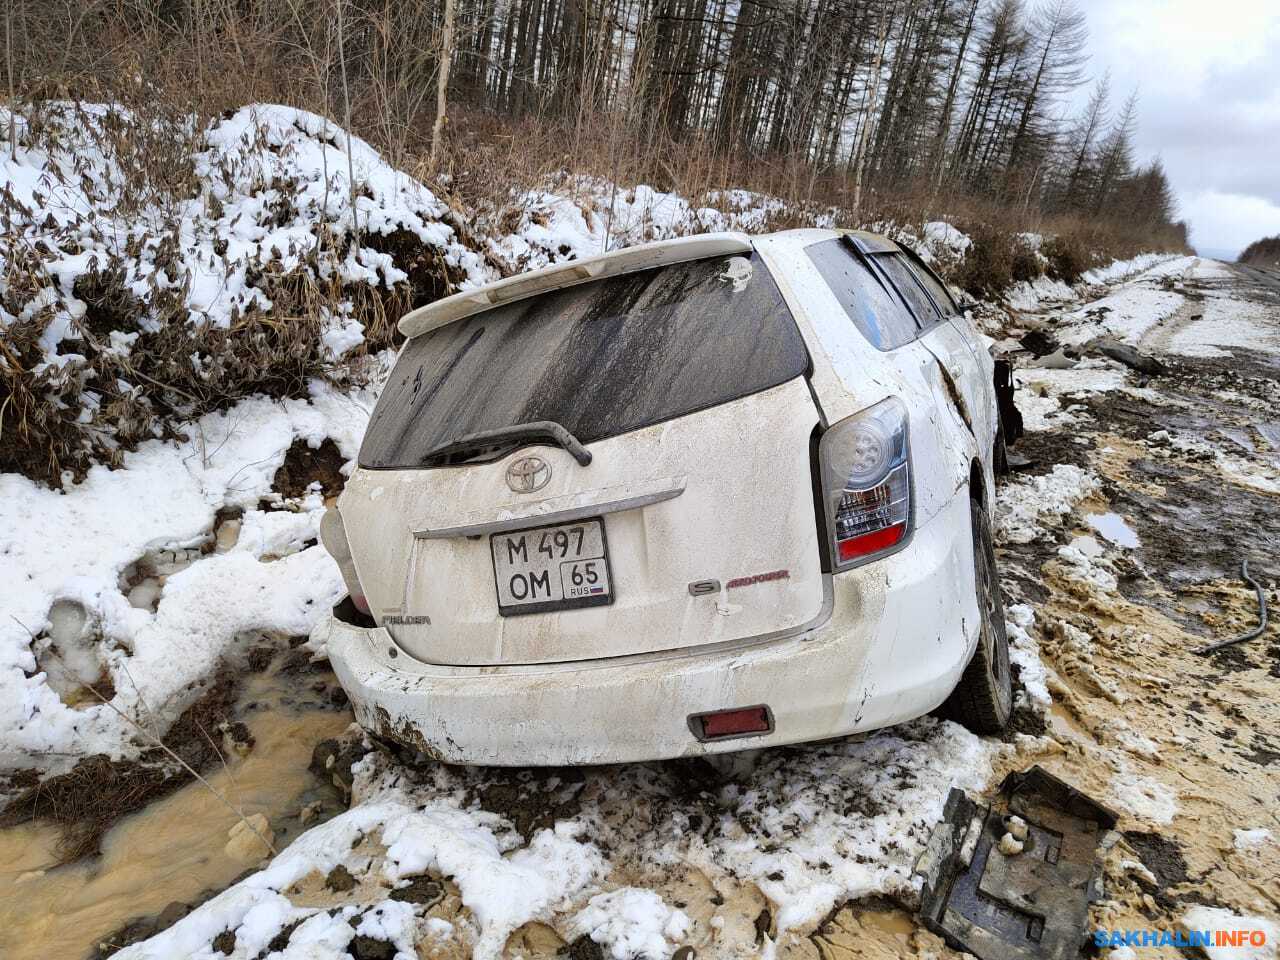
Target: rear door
pixel 693 524
pixel 966 384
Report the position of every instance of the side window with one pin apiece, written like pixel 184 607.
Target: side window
pixel 876 312
pixel 941 295
pixel 904 278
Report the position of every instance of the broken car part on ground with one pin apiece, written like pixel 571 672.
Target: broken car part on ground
pixel 1014 881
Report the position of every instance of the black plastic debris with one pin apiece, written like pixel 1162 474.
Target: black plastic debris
pixel 1010 416
pixel 1003 897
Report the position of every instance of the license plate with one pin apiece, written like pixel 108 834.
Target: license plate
pixel 551 568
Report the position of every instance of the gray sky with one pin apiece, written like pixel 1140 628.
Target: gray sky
pixel 1208 79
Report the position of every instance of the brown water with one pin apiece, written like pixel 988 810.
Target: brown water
pixel 174 849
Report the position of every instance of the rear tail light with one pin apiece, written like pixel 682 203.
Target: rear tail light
pixel 866 484
pixel 333 535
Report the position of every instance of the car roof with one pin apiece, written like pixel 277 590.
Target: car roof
pixel 627 260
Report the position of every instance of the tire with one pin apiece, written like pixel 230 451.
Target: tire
pixel 983 699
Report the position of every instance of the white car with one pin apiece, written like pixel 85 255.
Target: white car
pixel 702 495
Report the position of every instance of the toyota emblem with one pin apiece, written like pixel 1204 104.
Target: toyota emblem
pixel 528 474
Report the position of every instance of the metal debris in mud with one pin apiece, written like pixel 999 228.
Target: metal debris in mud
pixel 1015 883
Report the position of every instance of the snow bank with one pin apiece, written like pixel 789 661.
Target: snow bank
pixel 156 271
pixel 1118 270
pixel 944 239
pixel 586 216
pixel 75 545
pixel 1028 296
pixel 268 181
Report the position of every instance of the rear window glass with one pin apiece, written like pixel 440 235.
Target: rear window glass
pixel 600 358
pixel 941 296
pixel 905 280
pixel 878 314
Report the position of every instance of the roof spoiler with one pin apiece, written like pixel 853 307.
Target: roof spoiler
pixel 524 285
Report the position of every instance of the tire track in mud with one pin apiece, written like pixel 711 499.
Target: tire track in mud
pixel 1186 747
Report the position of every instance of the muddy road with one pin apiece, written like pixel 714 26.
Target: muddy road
pixel 1120 550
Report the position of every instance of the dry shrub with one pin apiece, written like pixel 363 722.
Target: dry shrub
pixel 172 375
pixel 1068 257
pixel 987 267
pixel 1024 265
pixel 1262 253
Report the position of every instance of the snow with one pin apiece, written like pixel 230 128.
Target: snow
pixel 1023 505
pixel 943 238
pixel 1082 561
pixel 900 778
pixel 1045 394
pixel 1250 839
pixel 633 924
pixel 1024 653
pixel 586 216
pixel 1142 797
pixel 75 546
pixel 1029 296
pixel 1126 314
pixel 1225 322
pixel 1261 945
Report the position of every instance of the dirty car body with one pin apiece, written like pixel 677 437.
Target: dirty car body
pixel 703 495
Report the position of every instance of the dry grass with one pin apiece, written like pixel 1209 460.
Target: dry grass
pixel 56 421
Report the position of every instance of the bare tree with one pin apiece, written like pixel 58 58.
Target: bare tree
pixel 442 85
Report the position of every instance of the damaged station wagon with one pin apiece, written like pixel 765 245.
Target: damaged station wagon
pixel 695 496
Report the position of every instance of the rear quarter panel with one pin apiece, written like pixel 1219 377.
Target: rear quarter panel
pixel 849 374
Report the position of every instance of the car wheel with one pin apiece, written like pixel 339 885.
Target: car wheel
pixel 983 699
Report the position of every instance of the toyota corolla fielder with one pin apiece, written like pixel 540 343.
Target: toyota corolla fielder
pixel 696 496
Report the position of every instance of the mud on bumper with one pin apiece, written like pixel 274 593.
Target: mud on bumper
pixel 885 654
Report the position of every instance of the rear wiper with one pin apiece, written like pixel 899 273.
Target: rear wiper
pixel 484 440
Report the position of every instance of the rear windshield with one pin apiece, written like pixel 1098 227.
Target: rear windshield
pixel 600 359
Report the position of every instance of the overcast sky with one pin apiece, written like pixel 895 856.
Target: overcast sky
pixel 1208 79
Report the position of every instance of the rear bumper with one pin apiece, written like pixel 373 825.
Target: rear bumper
pixel 900 632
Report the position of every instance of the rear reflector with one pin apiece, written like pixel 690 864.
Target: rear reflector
pixel 871 542
pixel 731 723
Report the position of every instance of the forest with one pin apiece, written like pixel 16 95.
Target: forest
pixel 877 109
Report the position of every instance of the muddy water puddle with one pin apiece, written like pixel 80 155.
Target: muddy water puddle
pixel 176 849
